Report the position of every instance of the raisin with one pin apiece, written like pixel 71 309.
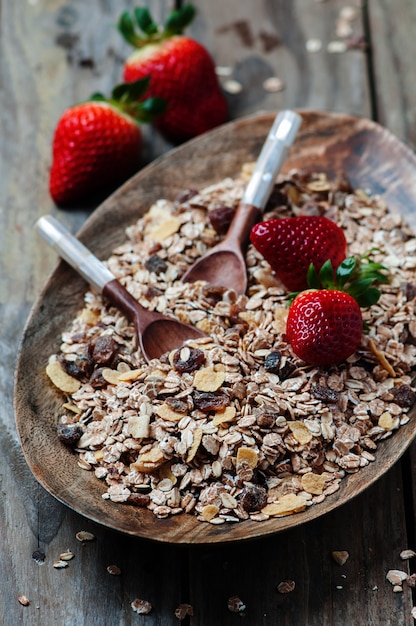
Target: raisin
pixel 266 419
pixel 342 183
pixel 253 498
pixel 209 401
pixel 213 293
pixel 234 316
pixel 97 380
pixel 409 290
pixel 188 359
pixel 39 556
pixel 221 218
pixel 186 195
pixel 69 434
pixel 81 368
pixel 239 390
pixel 104 350
pixel 272 362
pixel 325 394
pixel 139 499
pixel 156 264
pixel 152 292
pixel 404 396
pixel 276 199
pixel 286 370
pixel 180 406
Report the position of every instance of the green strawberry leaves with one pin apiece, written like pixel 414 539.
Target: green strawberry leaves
pixel 179 19
pixel 354 275
pixel 149 31
pixel 128 98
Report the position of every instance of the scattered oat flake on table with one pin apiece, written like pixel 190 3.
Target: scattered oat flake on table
pixel 336 47
pixel 236 605
pixel 286 586
pixel 84 535
pixel 407 554
pixel 340 556
pixel 24 600
pixel 114 570
pixel 67 555
pixel 232 86
pixel 183 610
pixel 142 607
pixel 59 564
pixel 396 576
pixel 313 45
pixel 273 84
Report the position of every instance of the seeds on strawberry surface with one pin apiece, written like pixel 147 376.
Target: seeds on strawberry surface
pixel 291 244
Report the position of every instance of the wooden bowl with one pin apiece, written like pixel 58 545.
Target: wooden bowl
pixel 372 159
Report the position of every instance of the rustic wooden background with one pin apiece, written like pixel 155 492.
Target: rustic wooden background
pixel 54 53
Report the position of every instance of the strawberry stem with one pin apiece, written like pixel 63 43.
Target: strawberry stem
pixel 354 275
pixel 128 98
pixel 175 24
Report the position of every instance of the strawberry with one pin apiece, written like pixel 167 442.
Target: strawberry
pixel 97 143
pixel 291 244
pixel 181 69
pixel 325 325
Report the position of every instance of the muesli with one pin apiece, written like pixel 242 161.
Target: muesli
pixel 234 426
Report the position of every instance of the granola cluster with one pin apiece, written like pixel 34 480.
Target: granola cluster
pixel 234 426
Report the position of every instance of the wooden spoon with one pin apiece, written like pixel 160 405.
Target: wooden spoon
pixel 225 263
pixel 156 333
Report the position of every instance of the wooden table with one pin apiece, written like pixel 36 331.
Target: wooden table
pixel 56 53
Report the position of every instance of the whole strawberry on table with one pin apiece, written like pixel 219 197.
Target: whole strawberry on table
pixel 96 144
pixel 181 69
pixel 324 324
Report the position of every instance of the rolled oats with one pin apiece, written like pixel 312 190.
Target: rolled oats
pixel 233 426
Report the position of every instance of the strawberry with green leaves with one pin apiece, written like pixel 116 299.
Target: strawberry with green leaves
pixel 291 244
pixel 324 324
pixel 182 72
pixel 97 143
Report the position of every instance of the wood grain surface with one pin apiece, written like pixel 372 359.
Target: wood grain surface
pixel 54 53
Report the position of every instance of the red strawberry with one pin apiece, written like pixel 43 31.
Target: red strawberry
pixel 182 72
pixel 324 326
pixel 97 143
pixel 291 244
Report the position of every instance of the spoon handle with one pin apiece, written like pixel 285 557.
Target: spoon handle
pixel 74 252
pixel 271 158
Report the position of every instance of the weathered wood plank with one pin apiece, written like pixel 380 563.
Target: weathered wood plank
pixel 55 53
pixel 259 41
pixel 392 26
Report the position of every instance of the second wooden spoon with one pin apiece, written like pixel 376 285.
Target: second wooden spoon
pixel 225 263
pixel 156 333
